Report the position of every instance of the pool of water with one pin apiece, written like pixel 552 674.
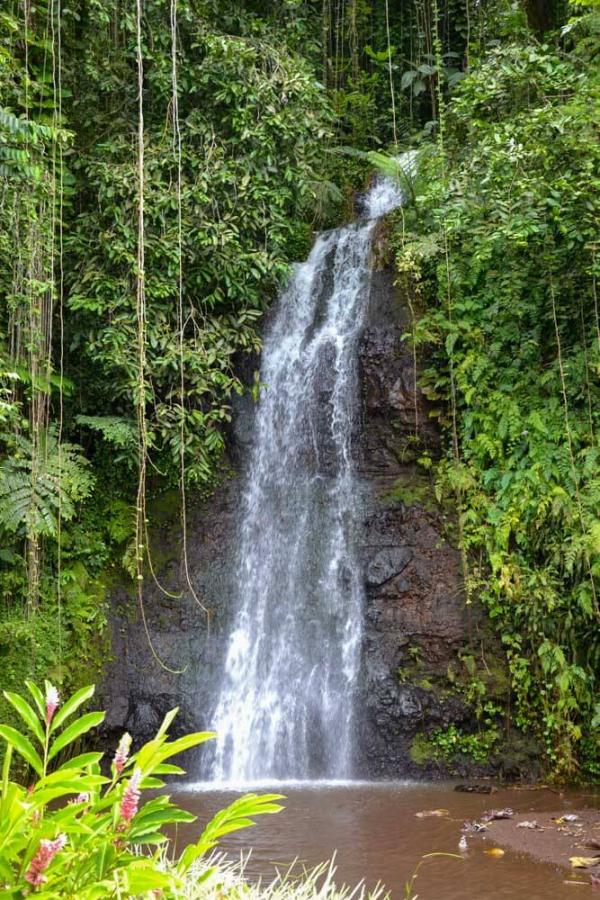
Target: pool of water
pixel 373 830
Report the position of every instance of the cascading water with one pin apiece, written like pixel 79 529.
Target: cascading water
pixel 286 701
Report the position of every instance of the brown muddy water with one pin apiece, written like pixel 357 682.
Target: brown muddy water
pixel 373 830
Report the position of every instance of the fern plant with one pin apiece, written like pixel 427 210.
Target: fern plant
pixel 40 485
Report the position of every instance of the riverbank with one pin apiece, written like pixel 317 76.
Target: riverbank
pixel 567 836
pixel 548 837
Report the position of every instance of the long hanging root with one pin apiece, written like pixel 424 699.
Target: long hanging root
pixel 437 46
pixel 140 516
pixel 58 223
pixel 180 318
pixel 391 73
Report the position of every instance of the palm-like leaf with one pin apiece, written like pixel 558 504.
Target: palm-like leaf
pixel 38 487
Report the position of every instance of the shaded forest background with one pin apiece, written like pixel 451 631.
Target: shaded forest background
pixel 260 121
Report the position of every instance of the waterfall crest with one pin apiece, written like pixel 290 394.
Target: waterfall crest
pixel 285 707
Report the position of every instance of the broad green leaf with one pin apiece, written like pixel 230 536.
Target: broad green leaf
pixel 71 705
pixel 82 761
pixel 161 817
pixel 145 878
pixel 5 772
pixel 407 79
pixel 148 837
pixel 168 769
pixel 38 698
pixel 23 746
pixel 149 783
pixel 27 714
pixel 166 722
pixel 186 743
pixel 75 730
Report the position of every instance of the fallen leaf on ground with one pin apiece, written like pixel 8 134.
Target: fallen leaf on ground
pixel 584 862
pixel 527 824
pixel 427 813
pixel 495 851
pixel 569 817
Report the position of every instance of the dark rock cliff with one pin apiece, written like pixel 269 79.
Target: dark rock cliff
pixel 416 623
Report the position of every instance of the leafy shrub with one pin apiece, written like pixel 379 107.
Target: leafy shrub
pixel 448 743
pixel 78 833
pixel 501 252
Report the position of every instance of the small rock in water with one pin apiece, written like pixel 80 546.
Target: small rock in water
pixel 462 844
pixel 527 824
pixel 475 788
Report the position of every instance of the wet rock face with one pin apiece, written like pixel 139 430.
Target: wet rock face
pixel 386 564
pixel 174 664
pixel 415 619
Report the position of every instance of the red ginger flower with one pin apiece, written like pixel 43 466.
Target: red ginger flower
pixel 122 753
pixel 131 798
pixel 52 701
pixel 42 859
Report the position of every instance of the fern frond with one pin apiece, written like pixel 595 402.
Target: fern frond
pixel 35 492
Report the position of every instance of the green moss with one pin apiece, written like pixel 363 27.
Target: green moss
pixel 412 489
pixel 421 750
pixel 164 508
pixel 67 643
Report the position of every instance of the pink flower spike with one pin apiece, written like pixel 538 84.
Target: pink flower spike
pixel 42 859
pixel 52 701
pixel 131 798
pixel 122 753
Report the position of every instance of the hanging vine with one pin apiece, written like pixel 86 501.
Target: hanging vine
pixel 142 549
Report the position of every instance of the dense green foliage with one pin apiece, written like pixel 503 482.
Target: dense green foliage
pixel 223 218
pixel 251 117
pixel 502 252
pixel 260 119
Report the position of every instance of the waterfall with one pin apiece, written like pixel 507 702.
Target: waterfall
pixel 285 708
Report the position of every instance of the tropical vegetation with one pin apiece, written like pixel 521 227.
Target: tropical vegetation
pixel 161 166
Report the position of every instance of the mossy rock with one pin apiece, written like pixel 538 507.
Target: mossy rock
pixel 412 489
pixel 421 751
